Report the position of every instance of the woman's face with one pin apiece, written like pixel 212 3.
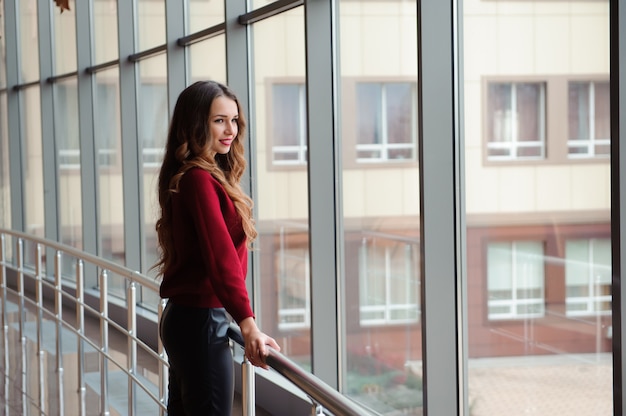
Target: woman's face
pixel 223 125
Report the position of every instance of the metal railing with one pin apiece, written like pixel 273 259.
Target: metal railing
pixel 89 368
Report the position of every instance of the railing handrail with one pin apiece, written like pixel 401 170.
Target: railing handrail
pixel 317 390
pixel 105 264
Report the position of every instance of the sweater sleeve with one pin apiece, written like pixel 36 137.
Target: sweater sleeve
pixel 220 243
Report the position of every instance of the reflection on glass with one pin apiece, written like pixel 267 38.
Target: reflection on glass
pixel 33 171
pixel 152 127
pixel 381 205
pixel 64 40
pixel 537 168
pixel 284 278
pixel 108 147
pixel 3 55
pixel 150 23
pixel 202 14
pixel 207 60
pixel 67 140
pixel 29 41
pixel 5 185
pixel 105 31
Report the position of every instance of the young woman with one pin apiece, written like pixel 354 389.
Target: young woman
pixel 204 232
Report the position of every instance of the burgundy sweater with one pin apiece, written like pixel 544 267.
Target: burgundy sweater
pixel 211 256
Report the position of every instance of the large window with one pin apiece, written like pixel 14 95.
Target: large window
pixel 154 118
pixel 388 279
pixel 588 276
pixel 515 280
pixel 289 124
pixel 516 120
pixel 293 267
pixel 386 122
pixel 589 119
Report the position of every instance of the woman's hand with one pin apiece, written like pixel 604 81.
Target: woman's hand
pixel 256 343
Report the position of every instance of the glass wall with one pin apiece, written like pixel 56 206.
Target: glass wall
pixel 281 202
pixel 379 142
pixel 535 181
pixel 537 138
pixel 68 159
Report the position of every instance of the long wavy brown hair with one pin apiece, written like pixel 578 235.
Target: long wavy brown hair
pixel 188 146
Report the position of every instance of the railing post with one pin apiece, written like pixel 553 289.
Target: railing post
pixel 131 306
pixel 40 350
pixel 247 388
pixel 104 348
pixel 5 327
pixel 22 312
pixel 80 323
pixel 163 368
pixel 58 310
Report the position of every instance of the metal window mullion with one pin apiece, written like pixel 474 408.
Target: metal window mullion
pixel 48 147
pixel 324 184
pixel 89 161
pixel 441 208
pixel 132 166
pixel 16 154
pixel 175 29
pixel 239 76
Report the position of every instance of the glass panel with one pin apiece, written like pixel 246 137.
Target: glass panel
pixel 28 41
pixel 64 40
pixel 108 146
pixel 33 163
pixel 538 233
pixel 152 127
pixel 381 206
pixel 3 55
pixel 67 140
pixel 105 30
pixel 5 184
pixel 150 24
pixel 289 143
pixel 207 60
pixel 202 14
pixel 282 216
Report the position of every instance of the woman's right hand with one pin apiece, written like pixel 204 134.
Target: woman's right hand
pixel 256 343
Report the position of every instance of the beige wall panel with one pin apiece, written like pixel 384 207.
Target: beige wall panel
pixel 516 52
pixel 553 188
pixel 480 37
pixel 69 199
pixel 410 192
pixel 105 24
pixel 295 64
pixel 587 33
pixel 479 183
pixel 552 41
pixel 288 196
pixel 151 204
pixel 591 187
pixel 516 189
pixel 377 34
pixel 473 115
pixel 586 8
pixel 111 211
pixel 351 57
pixel 475 7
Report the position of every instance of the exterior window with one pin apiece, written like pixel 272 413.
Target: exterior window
pixel 106 123
pixel 66 126
pixel 153 122
pixel 388 276
pixel 588 277
pixel 515 280
pixel 293 266
pixel 289 124
pixel 589 120
pixel 516 121
pixel 386 122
